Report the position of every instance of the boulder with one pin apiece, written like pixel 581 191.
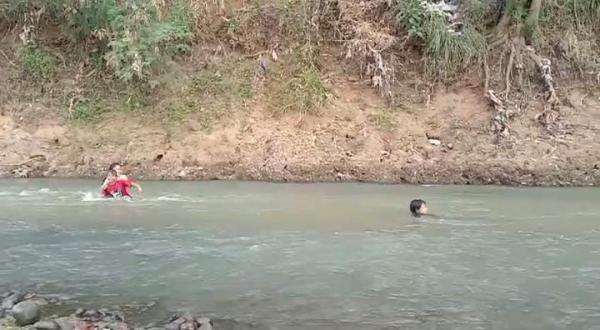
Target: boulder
pixel 46 325
pixel 26 313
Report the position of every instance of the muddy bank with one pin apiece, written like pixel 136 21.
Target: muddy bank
pixel 445 142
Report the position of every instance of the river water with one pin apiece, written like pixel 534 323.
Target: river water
pixel 316 256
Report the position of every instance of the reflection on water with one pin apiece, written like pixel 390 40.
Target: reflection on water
pixel 327 256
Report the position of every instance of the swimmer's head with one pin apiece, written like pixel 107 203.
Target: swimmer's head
pixel 418 207
pixel 115 167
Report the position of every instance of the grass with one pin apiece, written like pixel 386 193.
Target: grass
pixel 384 119
pixel 223 85
pixel 304 92
pixel 451 53
pixel 220 88
pixel 86 112
pixel 38 64
pixel 448 53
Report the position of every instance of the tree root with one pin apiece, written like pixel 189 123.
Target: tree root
pixel 500 123
pixel 509 68
pixel 549 117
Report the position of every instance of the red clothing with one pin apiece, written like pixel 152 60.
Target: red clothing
pixel 118 187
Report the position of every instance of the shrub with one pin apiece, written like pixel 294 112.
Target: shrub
pixel 38 64
pixel 140 39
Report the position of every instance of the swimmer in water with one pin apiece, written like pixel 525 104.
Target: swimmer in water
pixel 418 207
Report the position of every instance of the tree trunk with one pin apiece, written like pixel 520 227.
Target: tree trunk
pixel 533 18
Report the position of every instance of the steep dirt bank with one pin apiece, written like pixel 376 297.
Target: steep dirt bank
pixel 354 138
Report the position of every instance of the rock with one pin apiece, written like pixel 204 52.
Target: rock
pixel 189 324
pixel 172 326
pixel 85 326
pixel 66 323
pixel 435 142
pixel 450 146
pixel 12 299
pixel 46 325
pixel 26 313
pixel 79 312
pixel 205 323
pixel 120 326
pixel 175 323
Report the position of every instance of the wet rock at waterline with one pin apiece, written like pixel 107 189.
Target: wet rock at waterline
pixel 189 323
pixel 11 300
pixel 26 313
pixel 46 325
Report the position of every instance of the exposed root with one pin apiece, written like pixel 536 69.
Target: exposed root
pixel 486 72
pixel 509 68
pixel 500 123
pixel 549 117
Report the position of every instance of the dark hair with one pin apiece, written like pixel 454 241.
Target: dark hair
pixel 113 165
pixel 110 168
pixel 415 205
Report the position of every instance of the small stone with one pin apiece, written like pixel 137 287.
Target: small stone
pixel 435 142
pixel 46 325
pixel 26 313
pixel 450 146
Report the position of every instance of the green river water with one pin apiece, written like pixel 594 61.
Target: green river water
pixel 312 256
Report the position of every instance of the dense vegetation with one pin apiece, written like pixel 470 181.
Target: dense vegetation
pixel 507 43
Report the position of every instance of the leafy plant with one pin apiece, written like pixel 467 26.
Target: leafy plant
pixel 140 39
pixel 38 64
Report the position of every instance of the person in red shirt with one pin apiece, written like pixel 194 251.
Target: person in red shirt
pixel 116 184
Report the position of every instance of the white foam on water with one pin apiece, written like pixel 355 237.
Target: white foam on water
pixel 89 196
pixel 173 198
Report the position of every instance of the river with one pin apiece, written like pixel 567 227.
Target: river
pixel 312 256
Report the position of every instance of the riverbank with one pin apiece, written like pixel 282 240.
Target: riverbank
pixel 446 142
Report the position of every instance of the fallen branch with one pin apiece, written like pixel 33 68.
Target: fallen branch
pixel 511 62
pixel 8 59
pixel 31 159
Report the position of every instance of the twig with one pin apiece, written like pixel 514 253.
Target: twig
pixel 32 158
pixel 511 62
pixel 486 72
pixel 8 59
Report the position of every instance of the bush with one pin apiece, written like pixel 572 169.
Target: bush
pixel 133 35
pixel 38 64
pixel 140 39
